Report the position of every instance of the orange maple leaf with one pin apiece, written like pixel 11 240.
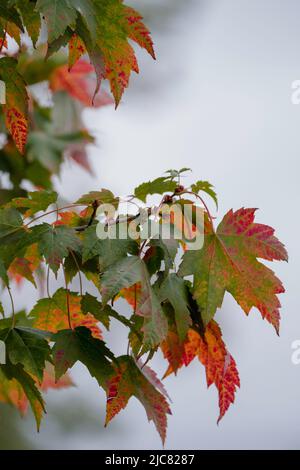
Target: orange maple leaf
pixel 211 351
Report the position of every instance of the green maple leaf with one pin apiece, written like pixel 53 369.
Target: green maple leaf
pixel 206 187
pixel 48 148
pixel 73 264
pixel 108 250
pixel 10 14
pixel 104 196
pixel 175 291
pixel 169 249
pixel 158 186
pixel 90 304
pixel 79 345
pixel 58 14
pixel 124 274
pixel 28 347
pixel 228 262
pixel 10 222
pixel 10 372
pixel 35 202
pixel 54 243
pixel 31 18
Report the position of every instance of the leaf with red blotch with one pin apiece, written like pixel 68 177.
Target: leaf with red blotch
pixel 72 219
pixel 118 68
pixel 212 353
pixel 3 43
pixel 173 350
pixel 137 31
pixel 13 376
pixel 109 50
pixel 129 381
pixel 131 294
pixel 11 392
pixel 51 314
pixel 76 50
pixel 16 106
pixel 78 153
pixel 152 377
pixel 49 381
pixel 25 266
pixel 73 81
pixel 228 262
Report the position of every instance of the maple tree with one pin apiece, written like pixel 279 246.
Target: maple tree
pixel 174 291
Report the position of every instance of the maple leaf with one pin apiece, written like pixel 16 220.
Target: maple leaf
pixel 16 373
pixel 11 392
pixel 104 196
pixel 69 218
pixel 76 50
pixel 102 28
pixel 129 381
pixel 58 14
pixel 16 106
pixel 35 202
pixel 21 268
pixel 90 304
pixel 54 243
pixel 131 294
pixel 28 347
pixel 228 262
pixel 158 186
pixel 49 381
pixel 109 250
pixel 126 273
pixel 51 314
pixel 73 81
pixel 10 222
pixel 212 353
pixel 31 18
pixel 25 266
pixel 174 289
pixel 137 31
pixel 79 345
pixel 206 187
pixel 10 14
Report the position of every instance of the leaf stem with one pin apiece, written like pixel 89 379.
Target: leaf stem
pixel 204 204
pixel 68 300
pixel 47 282
pixel 79 273
pixel 12 307
pixel 52 212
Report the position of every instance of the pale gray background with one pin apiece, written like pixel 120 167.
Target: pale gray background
pixel 218 100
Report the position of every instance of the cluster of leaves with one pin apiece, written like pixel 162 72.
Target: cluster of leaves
pixel 37 136
pixel 173 303
pixel 169 312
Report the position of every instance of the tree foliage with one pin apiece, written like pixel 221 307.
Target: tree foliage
pixel 173 291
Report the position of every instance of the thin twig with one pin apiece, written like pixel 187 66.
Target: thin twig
pixel 47 282
pixel 204 204
pixel 67 299
pixel 12 307
pixel 79 273
pixel 52 212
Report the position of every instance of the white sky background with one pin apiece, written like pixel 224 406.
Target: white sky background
pixel 217 100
